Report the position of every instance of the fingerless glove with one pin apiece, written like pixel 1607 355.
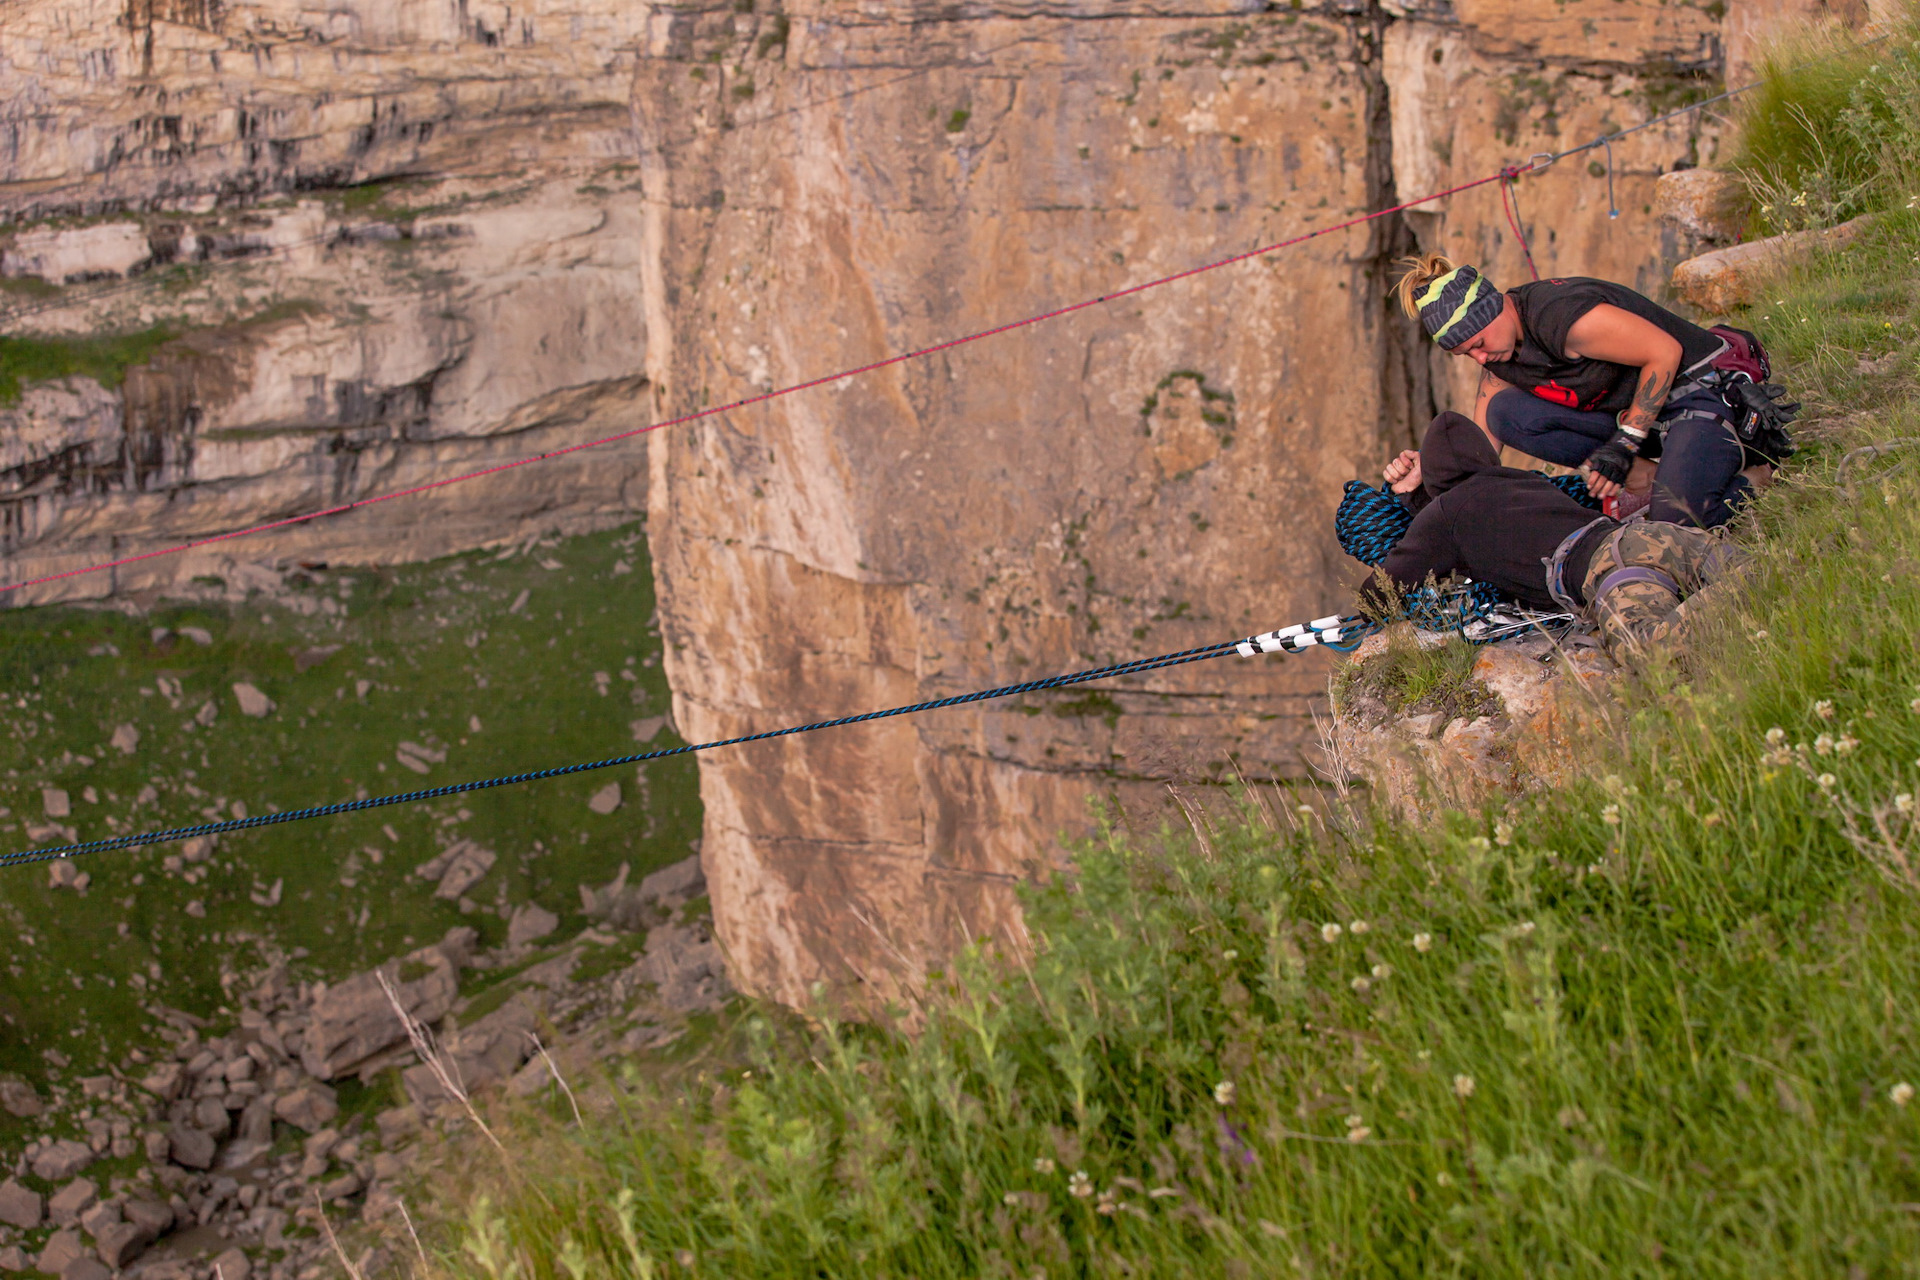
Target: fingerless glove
pixel 1614 459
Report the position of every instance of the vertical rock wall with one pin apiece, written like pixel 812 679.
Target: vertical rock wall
pixel 840 182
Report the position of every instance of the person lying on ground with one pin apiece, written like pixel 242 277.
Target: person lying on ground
pixel 1635 582
pixel 1588 373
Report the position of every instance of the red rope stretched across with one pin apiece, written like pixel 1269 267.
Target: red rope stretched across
pixel 1509 201
pixel 775 394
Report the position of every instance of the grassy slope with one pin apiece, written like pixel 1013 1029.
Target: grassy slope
pixel 441 652
pixel 1650 1025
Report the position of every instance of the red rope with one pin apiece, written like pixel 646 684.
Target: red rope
pixel 1509 179
pixel 775 394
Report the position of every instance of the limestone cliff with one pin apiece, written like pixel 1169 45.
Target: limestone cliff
pixel 391 242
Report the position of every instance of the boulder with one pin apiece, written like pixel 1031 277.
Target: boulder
pixel 100 1217
pixel 211 1115
pixel 252 702
pixel 62 1160
pixel 191 1148
pixel 155 1217
pixel 20 1099
pixel 21 1206
pixel 121 1243
pixel 62 1247
pixel 482 1054
pixel 529 923
pixel 1716 283
pixel 1705 205
pixel 677 883
pixel 232 1265
pixel 311 1106
pixel 354 1020
pixel 14 1258
pixel 85 1267
pixel 72 1200
pixel 465 864
pixel 685 967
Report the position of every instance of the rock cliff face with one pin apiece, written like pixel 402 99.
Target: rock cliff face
pixel 596 214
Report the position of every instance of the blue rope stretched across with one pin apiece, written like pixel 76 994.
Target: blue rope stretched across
pixel 1287 642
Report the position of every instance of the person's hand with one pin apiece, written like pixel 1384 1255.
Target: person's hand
pixel 1598 485
pixel 1403 473
pixel 1612 461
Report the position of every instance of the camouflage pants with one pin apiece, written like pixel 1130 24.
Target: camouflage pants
pixel 1642 610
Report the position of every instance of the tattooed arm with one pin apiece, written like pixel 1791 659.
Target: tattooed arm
pixel 1620 337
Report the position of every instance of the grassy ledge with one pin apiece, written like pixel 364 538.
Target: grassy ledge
pixel 1659 1022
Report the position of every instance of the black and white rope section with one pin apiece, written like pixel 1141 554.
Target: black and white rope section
pixel 1331 631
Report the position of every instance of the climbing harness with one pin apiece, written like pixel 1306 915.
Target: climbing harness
pixel 1332 632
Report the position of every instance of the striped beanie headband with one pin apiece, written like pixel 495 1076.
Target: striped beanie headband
pixel 1457 305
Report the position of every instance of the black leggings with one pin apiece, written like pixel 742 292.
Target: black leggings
pixel 1699 480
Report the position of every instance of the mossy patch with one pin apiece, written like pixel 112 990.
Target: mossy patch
pixel 29 358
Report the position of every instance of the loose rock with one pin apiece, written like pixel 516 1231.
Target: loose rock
pixel 61 1160
pixel 125 740
pixel 606 799
pixel 56 802
pixel 191 1148
pixel 529 923
pixel 71 1201
pixel 21 1206
pixel 62 1247
pixel 20 1099
pixel 252 702
pixel 309 1107
pixel 232 1265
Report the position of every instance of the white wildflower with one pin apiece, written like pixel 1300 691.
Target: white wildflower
pixel 1080 1185
pixel 1223 1093
pixel 1524 928
pixel 1903 802
pixel 1776 736
pixel 1901 1094
pixel 1358 927
pixel 1361 984
pixel 1423 942
pixel 1611 815
pixel 1823 745
pixel 1463 1086
pixel 1383 971
pixel 1229 955
pixel 1359 1133
pixel 1502 834
pixel 1826 780
pixel 1845 744
pixel 1330 932
pixel 1011 1198
pixel 1914 706
pixel 1042 1165
pixel 1823 709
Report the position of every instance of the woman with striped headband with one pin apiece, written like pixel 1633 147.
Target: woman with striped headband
pixel 1586 373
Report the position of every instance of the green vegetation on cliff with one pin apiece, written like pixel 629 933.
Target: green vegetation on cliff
pixel 487 663
pixel 1660 1022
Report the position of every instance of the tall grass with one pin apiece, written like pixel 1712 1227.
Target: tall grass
pixel 1833 130
pixel 1659 1022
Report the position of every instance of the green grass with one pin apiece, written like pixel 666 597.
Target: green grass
pixel 105 358
pixel 1410 680
pixel 1651 1023
pixel 447 663
pixel 1833 128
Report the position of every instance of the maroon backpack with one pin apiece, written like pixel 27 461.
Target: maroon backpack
pixel 1744 354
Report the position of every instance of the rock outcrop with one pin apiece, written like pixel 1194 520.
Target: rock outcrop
pixel 362 247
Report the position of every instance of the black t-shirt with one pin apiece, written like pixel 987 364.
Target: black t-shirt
pixel 1549 308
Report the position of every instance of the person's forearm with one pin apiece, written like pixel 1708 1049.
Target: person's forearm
pixel 1649 398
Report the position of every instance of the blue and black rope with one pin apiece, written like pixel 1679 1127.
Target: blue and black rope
pixel 1292 640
